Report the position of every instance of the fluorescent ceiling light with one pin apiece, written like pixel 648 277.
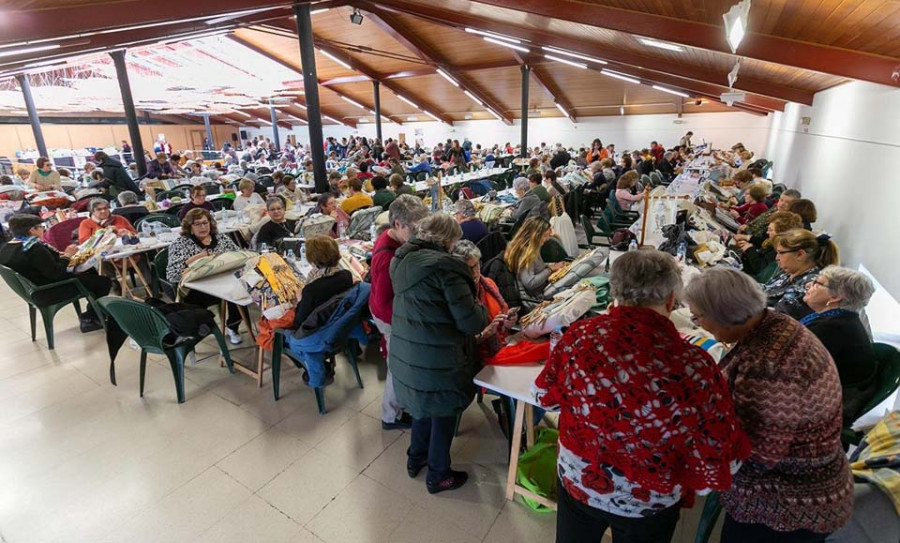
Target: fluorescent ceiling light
pixel 433 116
pixel 573 55
pixel 334 58
pixel 44 63
pixel 26 50
pixel 569 62
pixel 620 76
pixel 661 45
pixel 510 45
pixel 670 91
pixel 621 110
pixel 413 104
pixel 492 35
pixel 736 23
pixel 564 112
pixel 349 101
pixel 194 36
pixel 494 113
pixel 332 119
pixel 321 10
pixel 733 74
pixel 472 96
pixel 301 106
pixel 446 76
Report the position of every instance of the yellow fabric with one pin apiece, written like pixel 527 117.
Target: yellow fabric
pixel 878 458
pixel 352 203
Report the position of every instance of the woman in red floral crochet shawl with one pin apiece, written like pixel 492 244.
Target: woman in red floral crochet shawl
pixel 646 419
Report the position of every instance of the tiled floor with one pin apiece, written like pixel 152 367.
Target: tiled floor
pixel 84 461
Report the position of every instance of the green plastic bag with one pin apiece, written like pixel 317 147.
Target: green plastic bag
pixel 537 468
pixel 601 284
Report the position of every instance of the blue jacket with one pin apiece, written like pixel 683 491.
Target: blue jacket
pixel 420 167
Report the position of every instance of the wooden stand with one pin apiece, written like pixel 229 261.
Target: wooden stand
pixel 647 209
pixel 524 415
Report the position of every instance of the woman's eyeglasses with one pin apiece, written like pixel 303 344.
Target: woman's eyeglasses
pixel 201 224
pixel 788 251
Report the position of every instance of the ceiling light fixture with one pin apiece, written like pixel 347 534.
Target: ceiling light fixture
pixel 332 119
pixel 26 50
pixel 620 76
pixel 334 58
pixel 492 35
pixel 494 113
pixel 621 110
pixel 573 55
pixel 474 99
pixel 661 45
pixel 670 91
pixel 569 62
pixel 733 74
pixel 435 117
pixel 510 45
pixel 242 113
pixel 413 104
pixel 349 101
pixel 321 10
pixel 562 109
pixel 446 76
pixel 736 23
pixel 301 106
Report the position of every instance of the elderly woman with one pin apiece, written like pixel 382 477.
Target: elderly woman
pixel 836 297
pixel 278 226
pixel 327 279
pixel 801 255
pixel 530 203
pixel 101 217
pixel 754 204
pixel 130 207
pixel 200 238
pixel 759 260
pixel 291 193
pixel 796 485
pixel 326 204
pixel 473 229
pixel 432 357
pixel 247 196
pixel 198 201
pixel 44 177
pixel 630 455
pixel 523 256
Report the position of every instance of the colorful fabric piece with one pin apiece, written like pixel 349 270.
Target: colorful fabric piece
pixel 877 459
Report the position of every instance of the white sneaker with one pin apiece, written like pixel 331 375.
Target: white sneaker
pixel 234 337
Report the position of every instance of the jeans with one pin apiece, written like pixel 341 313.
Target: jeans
pixel 390 409
pixel 430 440
pixel 741 532
pixel 579 523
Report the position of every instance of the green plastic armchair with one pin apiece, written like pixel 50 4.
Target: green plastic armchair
pixel 159 285
pixel 147 326
pixel 26 290
pixel 712 508
pixel 888 378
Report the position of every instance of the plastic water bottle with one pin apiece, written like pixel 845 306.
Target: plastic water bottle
pixel 555 336
pixel 146 229
pixel 290 256
pixel 303 254
pixel 263 248
pixel 681 254
pixel 373 232
pixel 633 246
pixel 342 231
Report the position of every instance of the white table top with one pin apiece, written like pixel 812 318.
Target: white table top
pixel 512 381
pixel 447 181
pixel 224 286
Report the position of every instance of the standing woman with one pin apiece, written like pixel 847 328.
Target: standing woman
pixel 44 177
pixel 433 356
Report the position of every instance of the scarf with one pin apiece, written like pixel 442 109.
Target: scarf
pixel 27 241
pixel 318 273
pixel 484 288
pixel 831 312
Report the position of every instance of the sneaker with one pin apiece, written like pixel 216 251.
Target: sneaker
pixel 451 482
pixel 234 337
pixel 413 468
pixel 403 423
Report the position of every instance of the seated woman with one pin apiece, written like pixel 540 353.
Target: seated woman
pixel 200 238
pixel 198 201
pixel 247 197
pixel 754 204
pixel 758 260
pixel 382 197
pixel 836 297
pixel 326 204
pixel 357 199
pixel 291 193
pixel 523 256
pixel 796 484
pixel 278 226
pixel 473 229
pixel 807 211
pixel 41 264
pixel 101 217
pixel 398 186
pixel 529 203
pixel 623 194
pixel 326 281
pixel 130 207
pixel 801 255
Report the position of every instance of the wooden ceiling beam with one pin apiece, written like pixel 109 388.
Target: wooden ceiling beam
pixel 416 45
pixel 787 52
pixel 676 76
pixel 546 82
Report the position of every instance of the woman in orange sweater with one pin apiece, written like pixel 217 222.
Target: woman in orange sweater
pixel 101 217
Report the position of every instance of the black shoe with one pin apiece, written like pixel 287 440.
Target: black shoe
pixel 89 325
pixel 451 482
pixel 413 468
pixel 403 423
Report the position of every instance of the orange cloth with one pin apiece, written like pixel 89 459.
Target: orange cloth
pixel 523 352
pixel 88 226
pixel 266 336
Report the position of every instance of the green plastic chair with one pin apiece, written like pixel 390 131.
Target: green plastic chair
pixel 591 233
pixel 887 375
pixel 158 281
pixel 169 220
pixel 711 511
pixel 26 290
pixel 147 326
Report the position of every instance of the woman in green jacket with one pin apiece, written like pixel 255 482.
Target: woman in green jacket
pixel 433 355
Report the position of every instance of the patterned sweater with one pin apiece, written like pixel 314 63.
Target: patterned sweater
pixel 787 396
pixel 645 418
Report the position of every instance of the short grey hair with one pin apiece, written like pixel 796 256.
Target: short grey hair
pixel 520 183
pixel 854 288
pixel 726 296
pixel 127 198
pixel 408 210
pixel 644 278
pixel 465 250
pixel 96 202
pixel 465 208
pixel 440 229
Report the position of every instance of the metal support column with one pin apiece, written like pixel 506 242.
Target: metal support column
pixel 209 133
pixel 274 116
pixel 25 85
pixel 134 132
pixel 524 137
pixel 311 86
pixel 377 86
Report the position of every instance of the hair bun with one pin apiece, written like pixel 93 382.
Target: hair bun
pixel 823 239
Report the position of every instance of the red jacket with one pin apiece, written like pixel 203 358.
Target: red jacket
pixel 381 297
pixel 750 211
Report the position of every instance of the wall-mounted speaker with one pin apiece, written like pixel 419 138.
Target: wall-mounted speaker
pixel 244 136
pixel 234 137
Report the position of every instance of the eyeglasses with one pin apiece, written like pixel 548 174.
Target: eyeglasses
pixel 201 223
pixel 818 283
pixel 695 319
pixel 786 252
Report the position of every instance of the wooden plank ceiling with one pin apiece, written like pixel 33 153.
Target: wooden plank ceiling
pixel 793 49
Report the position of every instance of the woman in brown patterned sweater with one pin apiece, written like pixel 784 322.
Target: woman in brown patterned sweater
pixel 796 485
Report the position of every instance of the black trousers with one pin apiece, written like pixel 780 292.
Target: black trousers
pixel 430 439
pixel 233 320
pixel 97 285
pixel 579 523
pixel 741 532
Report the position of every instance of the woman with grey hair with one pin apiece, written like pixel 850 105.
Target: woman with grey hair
pixel 432 356
pixel 836 297
pixel 646 419
pixel 529 203
pixel 796 485
pixel 130 207
pixel 473 229
pixel 101 217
